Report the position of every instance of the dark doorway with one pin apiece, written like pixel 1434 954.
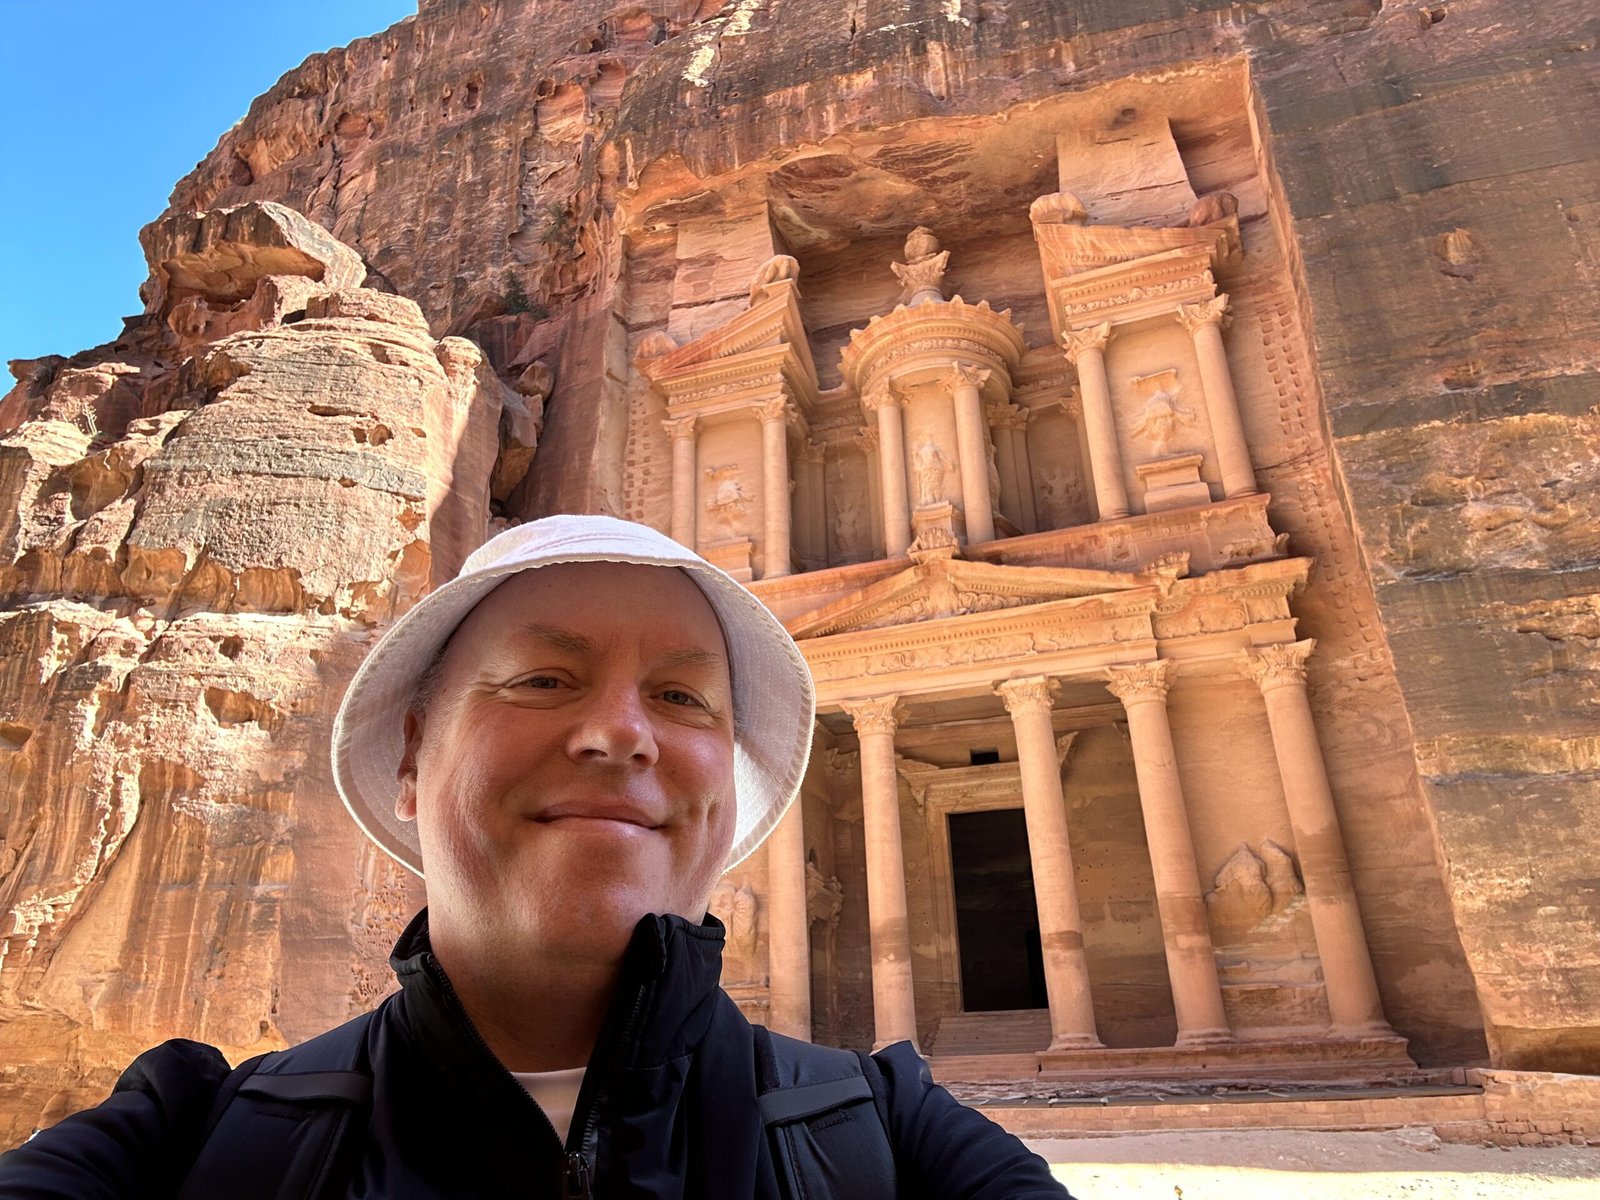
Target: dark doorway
pixel 997 922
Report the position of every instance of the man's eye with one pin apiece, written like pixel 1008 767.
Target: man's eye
pixel 679 696
pixel 541 681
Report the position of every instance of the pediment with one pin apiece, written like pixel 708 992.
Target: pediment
pixel 951 587
pixel 771 323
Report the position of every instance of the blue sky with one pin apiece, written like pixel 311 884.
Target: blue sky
pixel 103 107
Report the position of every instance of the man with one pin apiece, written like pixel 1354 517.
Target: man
pixel 573 739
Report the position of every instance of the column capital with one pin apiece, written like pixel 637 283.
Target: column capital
pixel 811 452
pixel 1204 312
pixel 778 408
pixel 1077 341
pixel 1280 665
pixel 1007 416
pixel 867 438
pixel 1141 682
pixel 1071 403
pixel 883 395
pixel 679 427
pixel 1032 694
pixel 877 715
pixel 965 375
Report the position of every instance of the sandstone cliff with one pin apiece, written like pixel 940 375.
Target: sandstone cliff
pixel 207 520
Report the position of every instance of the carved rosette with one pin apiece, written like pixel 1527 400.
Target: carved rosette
pixel 1281 665
pixel 1035 694
pixel 1079 341
pixel 961 375
pixel 877 715
pixel 1205 312
pixel 1141 683
pixel 679 428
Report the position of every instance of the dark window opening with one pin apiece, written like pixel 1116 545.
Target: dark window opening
pixel 982 758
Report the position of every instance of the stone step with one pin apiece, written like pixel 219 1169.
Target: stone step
pixel 1001 1032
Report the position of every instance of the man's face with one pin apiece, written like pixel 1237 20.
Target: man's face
pixel 574 768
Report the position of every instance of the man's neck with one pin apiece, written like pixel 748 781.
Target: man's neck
pixel 534 1013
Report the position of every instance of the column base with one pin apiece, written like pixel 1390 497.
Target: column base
pixel 1301 1058
pixel 1356 1033
pixel 1075 1041
pixel 885 1043
pixel 1205 1037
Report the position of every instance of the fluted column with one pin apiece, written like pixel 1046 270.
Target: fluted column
pixel 894 1011
pixel 1019 442
pixel 1055 882
pixel 681 431
pixel 1086 350
pixel 777 553
pixel 892 470
pixel 1204 322
pixel 813 520
pixel 965 383
pixel 788 930
pixel 1185 930
pixel 1352 986
pixel 1005 452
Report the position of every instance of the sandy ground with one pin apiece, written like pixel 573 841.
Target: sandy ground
pixel 1408 1164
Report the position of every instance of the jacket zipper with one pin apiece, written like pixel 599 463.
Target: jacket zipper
pixel 582 1173
pixel 579 1180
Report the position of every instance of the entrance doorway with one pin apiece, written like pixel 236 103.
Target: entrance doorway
pixel 997 921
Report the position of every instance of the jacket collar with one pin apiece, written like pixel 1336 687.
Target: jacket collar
pixel 661 1010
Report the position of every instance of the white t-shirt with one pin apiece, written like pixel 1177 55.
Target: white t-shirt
pixel 554 1091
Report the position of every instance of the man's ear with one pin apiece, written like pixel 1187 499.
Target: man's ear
pixel 405 803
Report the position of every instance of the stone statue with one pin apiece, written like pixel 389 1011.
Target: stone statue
pixel 929 465
pixel 729 500
pixel 922 274
pixel 1208 210
pixel 1162 416
pixel 778 268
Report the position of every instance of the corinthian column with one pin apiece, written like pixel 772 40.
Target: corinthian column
pixel 1086 350
pixel 894 1011
pixel 813 523
pixel 1019 441
pixel 1353 1001
pixel 681 431
pixel 1055 883
pixel 965 382
pixel 788 936
pixel 775 523
pixel 1185 930
pixel 1204 323
pixel 892 470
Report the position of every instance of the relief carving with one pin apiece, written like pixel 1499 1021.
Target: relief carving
pixel 1161 418
pixel 740 911
pixel 729 501
pixel 929 465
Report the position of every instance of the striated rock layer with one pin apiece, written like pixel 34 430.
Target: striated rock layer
pixel 207 520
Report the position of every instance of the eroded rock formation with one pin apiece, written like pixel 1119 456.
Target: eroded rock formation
pixel 207 520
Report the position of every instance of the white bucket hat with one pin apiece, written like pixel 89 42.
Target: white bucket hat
pixel 774 702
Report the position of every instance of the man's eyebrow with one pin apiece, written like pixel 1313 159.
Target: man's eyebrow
pixel 691 657
pixel 561 639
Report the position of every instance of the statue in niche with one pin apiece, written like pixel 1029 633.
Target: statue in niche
pixel 994 477
pixel 922 274
pixel 1162 416
pixel 738 909
pixel 930 465
pixel 1282 878
pixel 850 533
pixel 729 501
pixel 1060 494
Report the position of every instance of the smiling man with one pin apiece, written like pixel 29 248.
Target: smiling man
pixel 571 741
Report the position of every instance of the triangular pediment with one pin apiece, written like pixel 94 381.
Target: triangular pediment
pixel 951 587
pixel 770 323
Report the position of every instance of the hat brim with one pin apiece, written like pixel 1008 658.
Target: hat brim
pixel 773 694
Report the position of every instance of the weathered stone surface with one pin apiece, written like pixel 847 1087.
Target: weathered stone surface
pixel 203 532
pixel 275 462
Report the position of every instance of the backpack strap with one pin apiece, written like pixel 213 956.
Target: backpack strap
pixel 280 1121
pixel 826 1123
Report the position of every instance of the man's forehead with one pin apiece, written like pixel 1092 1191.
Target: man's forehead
pixel 574 642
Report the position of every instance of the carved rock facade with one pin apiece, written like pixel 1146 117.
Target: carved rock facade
pixel 1128 411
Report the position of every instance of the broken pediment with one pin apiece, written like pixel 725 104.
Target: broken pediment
pixel 950 587
pixel 771 323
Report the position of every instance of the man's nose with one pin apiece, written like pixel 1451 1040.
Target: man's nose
pixel 614 725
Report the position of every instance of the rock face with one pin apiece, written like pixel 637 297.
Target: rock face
pixel 206 521
pixel 202 533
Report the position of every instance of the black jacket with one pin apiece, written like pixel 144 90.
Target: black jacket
pixel 668 1106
